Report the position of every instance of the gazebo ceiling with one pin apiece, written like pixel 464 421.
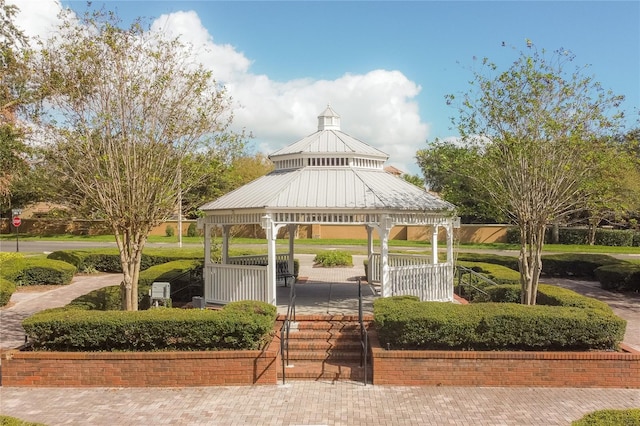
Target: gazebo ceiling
pixel 329 171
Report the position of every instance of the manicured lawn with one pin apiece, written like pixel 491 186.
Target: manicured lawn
pixel 310 243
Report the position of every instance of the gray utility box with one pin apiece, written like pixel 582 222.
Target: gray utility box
pixel 198 302
pixel 160 291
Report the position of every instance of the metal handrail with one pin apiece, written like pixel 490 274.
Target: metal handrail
pixel 285 329
pixel 364 334
pixel 461 270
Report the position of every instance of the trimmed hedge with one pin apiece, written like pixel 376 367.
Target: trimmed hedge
pixel 7 288
pixel 238 326
pixel 108 298
pixel 331 258
pixel 580 236
pixel 406 323
pixel 619 276
pixel 630 417
pixel 168 272
pixel 576 264
pixel 108 260
pixel 496 273
pixel 510 262
pixel 102 299
pixel 38 271
pixel 13 421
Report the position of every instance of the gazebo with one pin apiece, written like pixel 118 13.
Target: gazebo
pixel 328 177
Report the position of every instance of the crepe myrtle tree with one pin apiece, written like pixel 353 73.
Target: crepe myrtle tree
pixel 127 106
pixel 539 128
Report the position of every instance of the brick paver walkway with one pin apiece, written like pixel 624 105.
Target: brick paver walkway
pixel 311 403
pixel 304 403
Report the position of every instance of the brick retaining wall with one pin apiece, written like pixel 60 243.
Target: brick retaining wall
pixel 505 368
pixel 141 369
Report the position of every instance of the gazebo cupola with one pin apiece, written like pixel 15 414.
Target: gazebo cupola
pixel 329 147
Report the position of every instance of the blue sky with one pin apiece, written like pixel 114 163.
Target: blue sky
pixel 384 66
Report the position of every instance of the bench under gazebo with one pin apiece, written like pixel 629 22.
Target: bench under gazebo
pixel 328 178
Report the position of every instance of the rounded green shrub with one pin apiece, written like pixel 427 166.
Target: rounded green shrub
pixel 39 271
pixel 13 421
pixel 331 258
pixel 619 277
pixel 630 417
pixel 7 288
pixel 192 230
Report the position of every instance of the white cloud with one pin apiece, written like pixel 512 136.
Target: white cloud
pixel 379 107
pixel 37 18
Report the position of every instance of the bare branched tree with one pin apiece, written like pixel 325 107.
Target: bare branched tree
pixel 128 107
pixel 539 128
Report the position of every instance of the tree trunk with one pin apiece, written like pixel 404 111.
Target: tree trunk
pixel 530 260
pixel 130 243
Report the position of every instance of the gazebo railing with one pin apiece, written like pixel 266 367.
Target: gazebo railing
pixel 396 260
pixel 228 283
pixel 428 282
pixel 258 259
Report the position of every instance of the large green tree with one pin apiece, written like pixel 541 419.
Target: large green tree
pixel 447 168
pixel 127 108
pixel 14 98
pixel 538 124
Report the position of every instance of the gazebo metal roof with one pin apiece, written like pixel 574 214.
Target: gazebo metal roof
pixel 329 170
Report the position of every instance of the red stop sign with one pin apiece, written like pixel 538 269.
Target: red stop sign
pixel 16 221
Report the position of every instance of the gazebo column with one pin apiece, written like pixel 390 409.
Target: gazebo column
pixel 449 228
pixel 434 245
pixel 291 228
pixel 225 243
pixel 383 230
pixel 369 251
pixel 271 231
pixel 207 244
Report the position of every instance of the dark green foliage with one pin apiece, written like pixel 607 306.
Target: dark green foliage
pixel 558 296
pixel 180 273
pixel 409 324
pixel 478 291
pixel 102 299
pixel 39 271
pixel 504 293
pixel 580 236
pixel 192 230
pixel 510 262
pixel 575 264
pixel 108 260
pixel 630 417
pixel 572 236
pixel 11 269
pixel 619 276
pixel 13 421
pixel 7 288
pixel 169 272
pixel 614 237
pixel 331 258
pixel 242 325
pixel 169 231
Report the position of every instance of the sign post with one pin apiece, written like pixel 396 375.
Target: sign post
pixel 16 222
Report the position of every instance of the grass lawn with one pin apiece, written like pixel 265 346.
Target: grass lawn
pixel 356 246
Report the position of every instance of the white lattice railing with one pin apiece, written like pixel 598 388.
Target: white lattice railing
pixel 428 282
pixel 258 259
pixel 396 260
pixel 229 283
